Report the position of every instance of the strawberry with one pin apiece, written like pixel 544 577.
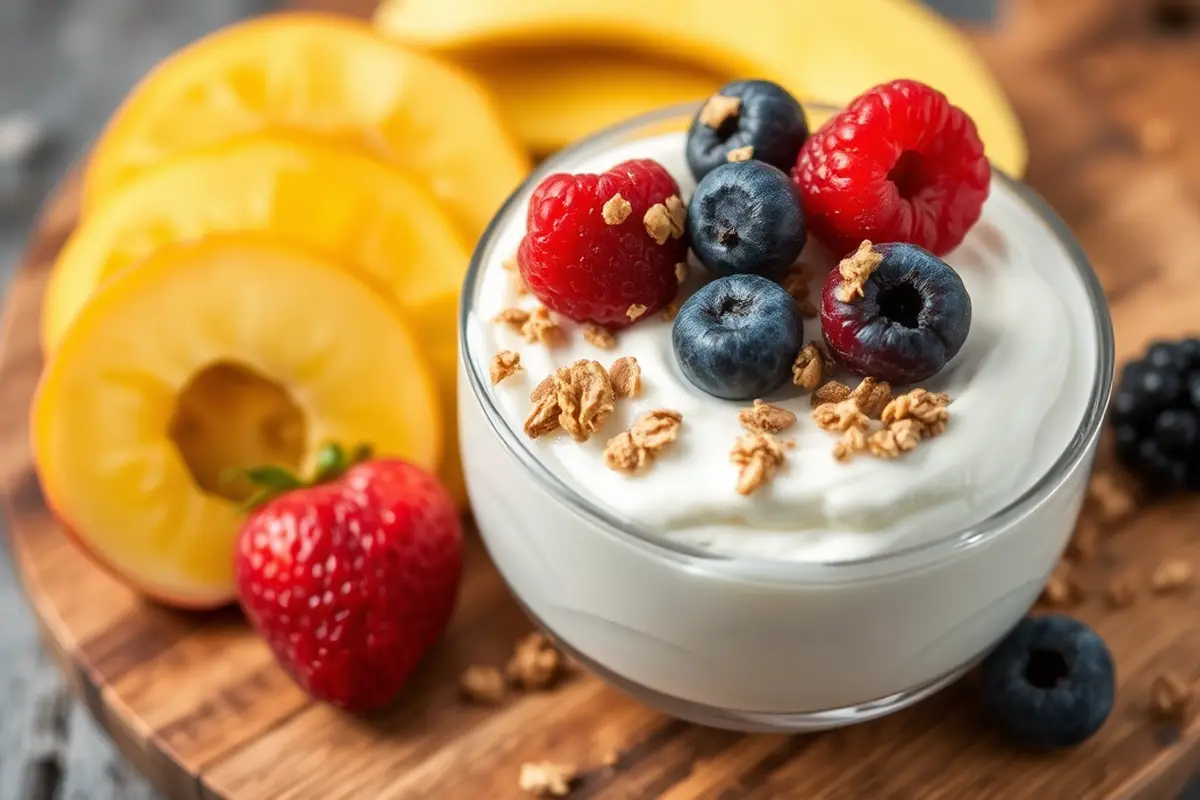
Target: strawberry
pixel 350 578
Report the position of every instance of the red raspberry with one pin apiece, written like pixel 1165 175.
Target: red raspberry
pixel 899 164
pixel 589 270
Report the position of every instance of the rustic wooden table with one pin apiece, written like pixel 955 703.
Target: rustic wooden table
pixel 1103 86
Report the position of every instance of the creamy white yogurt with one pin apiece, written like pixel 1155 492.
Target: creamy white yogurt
pixel 1020 386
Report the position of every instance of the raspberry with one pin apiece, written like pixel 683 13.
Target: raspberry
pixel 899 164
pixel 610 272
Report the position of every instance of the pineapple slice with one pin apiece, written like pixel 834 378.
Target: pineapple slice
pixel 369 218
pixel 327 77
pixel 226 353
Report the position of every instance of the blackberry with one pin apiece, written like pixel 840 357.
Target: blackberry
pixel 1156 416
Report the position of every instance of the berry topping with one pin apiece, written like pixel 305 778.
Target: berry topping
pixel 1050 683
pixel 350 578
pixel 746 218
pixel 598 246
pixel 736 338
pixel 744 120
pixel 895 312
pixel 899 164
pixel 1156 416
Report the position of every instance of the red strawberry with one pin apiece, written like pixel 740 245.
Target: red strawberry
pixel 603 248
pixel 352 578
pixel 899 164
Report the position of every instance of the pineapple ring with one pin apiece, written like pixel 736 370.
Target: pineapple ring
pixel 328 77
pixel 295 351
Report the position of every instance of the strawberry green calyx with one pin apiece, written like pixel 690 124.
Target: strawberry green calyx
pixel 272 481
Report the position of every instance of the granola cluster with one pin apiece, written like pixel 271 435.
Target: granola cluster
pixel 758 454
pixel 666 220
pixel 535 326
pixel 535 665
pixel 906 419
pixel 811 367
pixel 855 269
pixel 635 449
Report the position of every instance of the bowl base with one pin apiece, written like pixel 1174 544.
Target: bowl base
pixel 753 721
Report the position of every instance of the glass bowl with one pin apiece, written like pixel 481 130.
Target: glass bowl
pixel 754 644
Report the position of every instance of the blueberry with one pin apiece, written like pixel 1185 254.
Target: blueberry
pixel 737 337
pixel 757 114
pixel 1050 683
pixel 746 218
pixel 913 317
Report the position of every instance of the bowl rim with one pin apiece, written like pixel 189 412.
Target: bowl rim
pixel 1076 452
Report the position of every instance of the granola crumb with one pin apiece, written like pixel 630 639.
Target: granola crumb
pixel 585 398
pixel 616 210
pixel 626 376
pixel 635 311
pixel 796 283
pixel 925 407
pixel 762 417
pixel 1170 696
pixel 504 364
pixel 840 417
pixel 1061 590
pixel 810 367
pixel 739 154
pixel 671 311
pixel 666 220
pixel 855 270
pixel 543 417
pixel 1172 575
pixel 535 663
pixel 1114 503
pixel 853 442
pixel 719 109
pixel 758 455
pixel 896 439
pixel 830 392
pixel 483 684
pixel 546 779
pixel 611 758
pixel 635 449
pixel 538 325
pixel 1121 592
pixel 510 265
pixel 599 336
pixel 681 272
pixel 872 396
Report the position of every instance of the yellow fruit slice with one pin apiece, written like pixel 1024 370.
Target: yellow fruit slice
pixel 218 354
pixel 362 214
pixel 826 52
pixel 543 96
pixel 329 77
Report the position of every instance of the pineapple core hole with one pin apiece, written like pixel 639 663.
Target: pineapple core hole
pixel 228 416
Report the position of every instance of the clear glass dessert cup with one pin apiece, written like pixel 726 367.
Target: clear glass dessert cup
pixel 759 645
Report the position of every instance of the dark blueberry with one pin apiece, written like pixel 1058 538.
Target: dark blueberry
pixel 745 218
pixel 1050 683
pixel 1189 352
pixel 737 337
pixel 759 115
pixel 913 317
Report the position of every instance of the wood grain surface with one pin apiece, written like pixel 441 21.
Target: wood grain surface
pixel 198 704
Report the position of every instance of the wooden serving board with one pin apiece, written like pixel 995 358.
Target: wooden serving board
pixel 198 704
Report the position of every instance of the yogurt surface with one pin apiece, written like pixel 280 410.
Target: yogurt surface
pixel 1020 387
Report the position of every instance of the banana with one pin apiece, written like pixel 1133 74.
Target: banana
pixel 820 50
